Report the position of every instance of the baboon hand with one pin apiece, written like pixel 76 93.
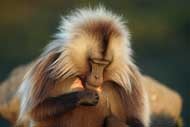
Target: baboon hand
pixel 88 98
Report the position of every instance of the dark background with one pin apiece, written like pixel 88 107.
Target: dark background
pixel 160 36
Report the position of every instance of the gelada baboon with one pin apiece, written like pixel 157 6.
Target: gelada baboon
pixel 93 47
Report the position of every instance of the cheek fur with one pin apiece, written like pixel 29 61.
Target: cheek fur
pixel 79 55
pixel 81 65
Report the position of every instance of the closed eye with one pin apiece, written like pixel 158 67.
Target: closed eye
pixel 100 61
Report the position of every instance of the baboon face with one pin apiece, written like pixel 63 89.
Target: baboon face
pixel 95 51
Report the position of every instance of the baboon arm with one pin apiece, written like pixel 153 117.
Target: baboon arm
pixel 53 106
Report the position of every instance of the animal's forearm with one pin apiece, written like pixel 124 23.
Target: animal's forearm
pixel 55 106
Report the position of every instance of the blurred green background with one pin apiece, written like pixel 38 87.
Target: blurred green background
pixel 160 36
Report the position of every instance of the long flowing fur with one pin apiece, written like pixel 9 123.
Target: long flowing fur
pixel 66 57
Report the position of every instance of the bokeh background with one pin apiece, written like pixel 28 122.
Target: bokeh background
pixel 160 36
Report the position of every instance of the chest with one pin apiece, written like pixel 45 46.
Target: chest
pixel 85 117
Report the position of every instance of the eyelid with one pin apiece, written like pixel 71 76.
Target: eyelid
pixel 97 61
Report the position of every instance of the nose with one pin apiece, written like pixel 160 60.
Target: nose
pixel 94 80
